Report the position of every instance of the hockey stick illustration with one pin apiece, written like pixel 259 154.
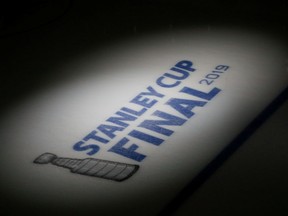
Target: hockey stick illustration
pixel 91 167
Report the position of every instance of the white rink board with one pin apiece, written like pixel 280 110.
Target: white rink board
pixel 55 119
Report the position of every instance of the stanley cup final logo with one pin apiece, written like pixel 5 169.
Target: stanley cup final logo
pixel 91 167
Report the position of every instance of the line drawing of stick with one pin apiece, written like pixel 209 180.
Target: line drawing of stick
pixel 91 167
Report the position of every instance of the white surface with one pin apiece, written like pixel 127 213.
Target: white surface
pixel 53 119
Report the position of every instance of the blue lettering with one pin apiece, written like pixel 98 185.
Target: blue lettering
pixel 137 113
pixel 186 65
pixel 160 82
pixel 79 146
pixel 146 137
pixel 222 67
pixel 153 125
pixel 200 94
pixel 160 123
pixel 183 74
pixel 93 136
pixel 119 120
pixel 152 92
pixel 143 101
pixel 109 130
pixel 129 152
pixel 185 106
